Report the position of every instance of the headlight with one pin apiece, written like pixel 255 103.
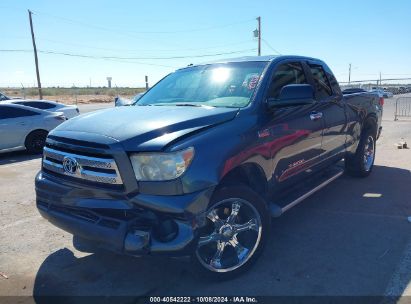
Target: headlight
pixel 161 166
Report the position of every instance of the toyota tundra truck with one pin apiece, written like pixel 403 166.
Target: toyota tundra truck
pixel 203 162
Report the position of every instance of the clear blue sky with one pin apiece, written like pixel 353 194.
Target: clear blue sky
pixel 372 35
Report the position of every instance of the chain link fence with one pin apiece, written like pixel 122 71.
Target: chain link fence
pixel 395 86
pixel 72 95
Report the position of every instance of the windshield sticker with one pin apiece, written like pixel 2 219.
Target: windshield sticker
pixel 251 81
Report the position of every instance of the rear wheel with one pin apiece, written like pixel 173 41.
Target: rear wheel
pixel 235 234
pixel 35 141
pixel 362 162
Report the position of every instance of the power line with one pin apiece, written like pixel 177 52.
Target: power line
pixel 374 80
pixel 106 58
pixel 93 57
pixel 267 44
pixel 98 27
pixel 129 58
pixel 143 50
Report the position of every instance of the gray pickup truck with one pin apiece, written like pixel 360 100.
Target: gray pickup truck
pixel 203 161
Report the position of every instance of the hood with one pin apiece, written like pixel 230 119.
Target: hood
pixel 147 128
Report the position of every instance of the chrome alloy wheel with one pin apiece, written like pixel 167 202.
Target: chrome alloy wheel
pixel 369 153
pixel 231 236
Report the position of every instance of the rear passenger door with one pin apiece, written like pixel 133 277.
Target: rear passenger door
pixel 332 109
pixel 15 124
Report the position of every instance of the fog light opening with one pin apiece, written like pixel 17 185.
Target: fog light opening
pixel 165 231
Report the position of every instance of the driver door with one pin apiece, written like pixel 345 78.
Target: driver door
pixel 295 131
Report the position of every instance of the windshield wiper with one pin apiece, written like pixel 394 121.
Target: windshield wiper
pixel 188 105
pixel 181 104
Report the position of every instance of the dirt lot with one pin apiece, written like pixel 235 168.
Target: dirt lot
pixel 350 239
pixel 80 99
pixel 74 95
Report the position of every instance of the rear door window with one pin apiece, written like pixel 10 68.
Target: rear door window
pixel 321 83
pixel 11 112
pixel 38 105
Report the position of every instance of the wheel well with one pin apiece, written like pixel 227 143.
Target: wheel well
pixel 35 131
pixel 370 123
pixel 249 174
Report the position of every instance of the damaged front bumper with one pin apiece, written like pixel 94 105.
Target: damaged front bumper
pixel 134 225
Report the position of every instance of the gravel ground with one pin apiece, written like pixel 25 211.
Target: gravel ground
pixel 339 242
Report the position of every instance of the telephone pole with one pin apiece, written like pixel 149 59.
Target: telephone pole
pixel 35 56
pixel 349 73
pixel 259 35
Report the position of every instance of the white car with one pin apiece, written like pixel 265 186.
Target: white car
pixel 5 97
pixel 120 102
pixel 52 106
pixel 23 127
pixel 388 94
pixel 383 93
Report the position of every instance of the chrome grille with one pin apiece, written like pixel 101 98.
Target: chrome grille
pixel 94 169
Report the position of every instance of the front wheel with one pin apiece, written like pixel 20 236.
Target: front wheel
pixel 235 234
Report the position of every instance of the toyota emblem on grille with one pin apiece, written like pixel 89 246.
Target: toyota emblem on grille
pixel 70 165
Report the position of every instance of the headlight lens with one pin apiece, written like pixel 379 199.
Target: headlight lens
pixel 161 166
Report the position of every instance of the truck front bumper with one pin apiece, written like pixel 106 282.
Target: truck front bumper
pixel 129 224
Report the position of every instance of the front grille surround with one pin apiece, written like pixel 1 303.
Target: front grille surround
pixel 102 170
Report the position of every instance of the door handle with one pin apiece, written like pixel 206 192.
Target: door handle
pixel 316 115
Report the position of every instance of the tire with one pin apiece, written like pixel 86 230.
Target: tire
pixel 361 163
pixel 222 251
pixel 35 141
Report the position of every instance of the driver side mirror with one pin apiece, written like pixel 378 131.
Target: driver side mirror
pixel 293 95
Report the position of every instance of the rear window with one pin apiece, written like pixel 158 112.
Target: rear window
pixel 322 85
pixel 13 112
pixel 38 105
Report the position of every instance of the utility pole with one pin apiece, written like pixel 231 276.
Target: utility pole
pixel 380 80
pixel 259 35
pixel 349 73
pixel 35 56
pixel 146 78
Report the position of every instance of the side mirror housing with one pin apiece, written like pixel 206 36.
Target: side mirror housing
pixel 293 95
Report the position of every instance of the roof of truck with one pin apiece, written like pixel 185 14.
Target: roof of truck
pixel 266 58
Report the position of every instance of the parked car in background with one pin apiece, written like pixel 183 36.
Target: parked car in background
pixel 69 111
pixel 393 90
pixel 387 94
pixel 383 93
pixel 23 127
pixel 5 97
pixel 353 90
pixel 119 101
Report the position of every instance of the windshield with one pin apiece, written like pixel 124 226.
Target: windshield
pixel 4 97
pixel 216 85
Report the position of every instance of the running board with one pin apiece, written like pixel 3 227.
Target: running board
pixel 293 199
